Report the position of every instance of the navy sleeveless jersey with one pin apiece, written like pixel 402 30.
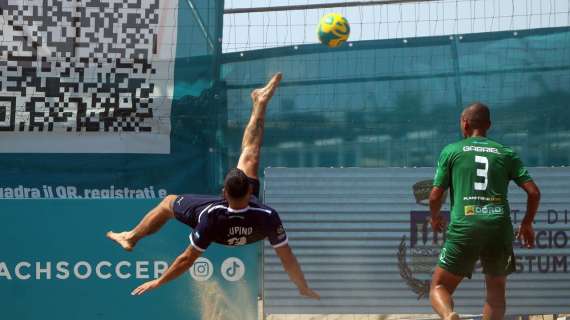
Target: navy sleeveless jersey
pixel 212 220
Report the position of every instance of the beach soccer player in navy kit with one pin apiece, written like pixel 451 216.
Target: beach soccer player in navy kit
pixel 237 218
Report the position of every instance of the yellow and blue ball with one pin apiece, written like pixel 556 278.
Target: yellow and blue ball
pixel 333 30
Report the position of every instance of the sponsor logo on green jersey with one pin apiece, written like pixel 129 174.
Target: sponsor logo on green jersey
pixel 472 210
pixel 483 198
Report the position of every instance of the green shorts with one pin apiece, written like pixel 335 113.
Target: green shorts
pixel 459 258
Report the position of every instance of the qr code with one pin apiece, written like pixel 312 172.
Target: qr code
pixel 78 65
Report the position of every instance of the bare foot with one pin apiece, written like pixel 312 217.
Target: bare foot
pixel 262 95
pixel 453 316
pixel 124 239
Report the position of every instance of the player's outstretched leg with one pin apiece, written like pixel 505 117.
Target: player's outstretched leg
pixel 443 285
pixel 253 134
pixel 151 223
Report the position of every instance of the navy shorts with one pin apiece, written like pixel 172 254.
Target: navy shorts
pixel 187 207
pixel 255 185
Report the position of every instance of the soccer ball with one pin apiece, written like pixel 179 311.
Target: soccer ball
pixel 333 30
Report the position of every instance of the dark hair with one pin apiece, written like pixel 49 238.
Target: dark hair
pixel 236 183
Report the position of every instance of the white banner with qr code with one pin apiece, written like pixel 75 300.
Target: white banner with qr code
pixel 87 76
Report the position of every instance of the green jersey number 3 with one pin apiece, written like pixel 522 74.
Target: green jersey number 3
pixel 483 173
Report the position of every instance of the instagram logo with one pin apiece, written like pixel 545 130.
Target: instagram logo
pixel 202 269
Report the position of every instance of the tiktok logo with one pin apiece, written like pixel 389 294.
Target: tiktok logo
pixel 233 269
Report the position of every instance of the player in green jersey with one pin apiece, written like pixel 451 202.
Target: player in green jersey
pixel 478 171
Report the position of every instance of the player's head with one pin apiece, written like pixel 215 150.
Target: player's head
pixel 236 185
pixel 476 117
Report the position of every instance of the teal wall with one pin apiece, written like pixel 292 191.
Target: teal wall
pixel 47 233
pixel 394 103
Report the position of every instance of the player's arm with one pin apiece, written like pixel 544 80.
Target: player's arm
pixel 526 232
pixel 440 184
pixel 519 174
pixel 182 263
pixel 436 198
pixel 293 269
